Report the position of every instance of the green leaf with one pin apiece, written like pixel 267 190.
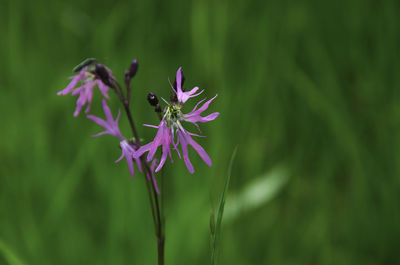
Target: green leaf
pixel 215 232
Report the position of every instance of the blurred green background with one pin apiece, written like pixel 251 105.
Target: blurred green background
pixel 307 89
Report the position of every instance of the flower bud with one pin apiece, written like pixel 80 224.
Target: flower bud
pixel 131 72
pixel 152 99
pixel 157 108
pixel 103 74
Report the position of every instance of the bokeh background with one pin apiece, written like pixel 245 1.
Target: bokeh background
pixel 308 90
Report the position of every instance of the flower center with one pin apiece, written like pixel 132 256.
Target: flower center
pixel 173 115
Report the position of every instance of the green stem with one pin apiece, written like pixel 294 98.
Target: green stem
pixel 153 197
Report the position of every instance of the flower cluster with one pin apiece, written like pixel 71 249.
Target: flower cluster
pixel 89 78
pixel 88 81
pixel 171 123
pixel 170 129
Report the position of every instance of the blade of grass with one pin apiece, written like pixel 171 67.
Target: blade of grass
pixel 215 232
pixel 9 255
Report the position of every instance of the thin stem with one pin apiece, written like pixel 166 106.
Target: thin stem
pixel 128 113
pixel 125 101
pixel 118 87
pixel 160 248
pixel 128 91
pixel 153 197
pixel 162 198
pixel 151 203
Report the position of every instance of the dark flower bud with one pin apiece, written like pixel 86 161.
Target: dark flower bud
pixel 131 72
pixel 157 108
pixel 102 72
pixel 152 99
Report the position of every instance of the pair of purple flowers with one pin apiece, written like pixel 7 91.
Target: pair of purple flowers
pixel 169 129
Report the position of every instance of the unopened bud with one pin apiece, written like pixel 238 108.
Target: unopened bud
pixel 152 99
pixel 103 74
pixel 157 108
pixel 131 72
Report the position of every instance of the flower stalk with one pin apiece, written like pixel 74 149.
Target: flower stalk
pixel 90 74
pixel 152 192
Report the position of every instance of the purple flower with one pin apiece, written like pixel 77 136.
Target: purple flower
pixel 88 81
pixel 110 124
pixel 171 123
pixel 128 151
pixel 184 96
pixel 111 127
pixel 163 138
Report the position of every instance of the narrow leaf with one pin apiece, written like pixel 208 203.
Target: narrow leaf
pixel 215 235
